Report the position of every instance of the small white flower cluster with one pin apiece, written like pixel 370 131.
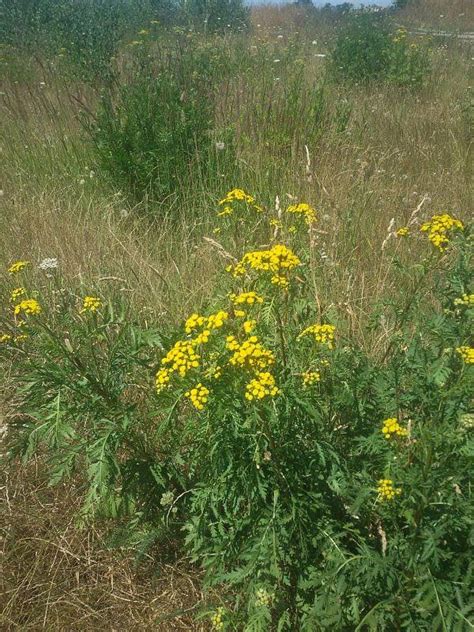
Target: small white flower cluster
pixel 50 263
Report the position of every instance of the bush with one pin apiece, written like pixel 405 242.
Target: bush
pixel 216 15
pixel 152 132
pixel 367 50
pixel 322 487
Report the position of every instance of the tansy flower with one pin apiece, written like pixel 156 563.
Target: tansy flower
pixel 438 228
pixel 386 490
pixel 403 232
pixel 18 266
pixel 465 299
pixel 198 396
pixel 392 428
pixel 5 338
pixel 91 304
pixel 249 326
pixel 277 261
pixel 467 354
pixel 181 358
pixel 261 386
pixel 216 619
pixel 310 377
pixel 323 334
pixel 17 293
pixel 251 354
pixel 303 210
pixel 246 297
pixel 29 306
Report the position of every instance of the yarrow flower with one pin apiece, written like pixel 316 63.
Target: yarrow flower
pixel 323 334
pixel 303 210
pixel 29 306
pixel 438 228
pixel 18 266
pixel 91 304
pixel 261 386
pixel 279 260
pixel 198 396
pixel 392 428
pixel 50 263
pixel 310 378
pixel 467 354
pixel 386 489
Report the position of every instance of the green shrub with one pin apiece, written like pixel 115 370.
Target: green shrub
pixel 322 487
pixel 368 49
pixel 151 134
pixel 216 15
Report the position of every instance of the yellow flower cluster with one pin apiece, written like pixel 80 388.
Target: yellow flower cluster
pixel 403 232
pixel 18 266
pixel 29 306
pixel 250 354
pixel 198 396
pixel 386 490
pixel 303 210
pixel 216 619
pixel 263 597
pixel 249 326
pixel 214 321
pixel 17 293
pixel 262 385
pixel 438 228
pixel 467 354
pixel 91 304
pixel 322 333
pixel 278 260
pixel 310 377
pixel 5 338
pixel 182 357
pixel 465 299
pixel 236 195
pixel 391 427
pixel 248 298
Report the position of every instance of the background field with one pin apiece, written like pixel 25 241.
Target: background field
pixel 364 156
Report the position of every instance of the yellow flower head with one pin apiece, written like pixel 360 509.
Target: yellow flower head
pixel 323 334
pixel 251 354
pixel 198 396
pixel 465 299
pixel 248 298
pixel 391 428
pixel 403 232
pixel 5 338
pixel 310 378
pixel 29 306
pixel 303 210
pixel 216 619
pixel 386 489
pixel 438 228
pixel 467 354
pixel 277 261
pixel 263 385
pixel 91 304
pixel 181 358
pixel 18 266
pixel 17 293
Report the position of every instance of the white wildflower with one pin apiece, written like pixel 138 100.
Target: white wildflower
pixel 50 263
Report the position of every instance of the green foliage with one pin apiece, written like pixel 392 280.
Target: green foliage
pixel 150 133
pixel 86 33
pixel 278 493
pixel 216 15
pixel 367 49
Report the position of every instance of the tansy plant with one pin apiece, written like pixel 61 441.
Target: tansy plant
pixel 323 487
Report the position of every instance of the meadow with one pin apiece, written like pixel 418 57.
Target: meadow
pixel 236 317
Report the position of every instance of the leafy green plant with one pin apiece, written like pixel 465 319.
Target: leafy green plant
pixel 367 49
pixel 322 487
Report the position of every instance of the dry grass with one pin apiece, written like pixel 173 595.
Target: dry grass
pixel 399 149
pixel 57 577
pixel 455 14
